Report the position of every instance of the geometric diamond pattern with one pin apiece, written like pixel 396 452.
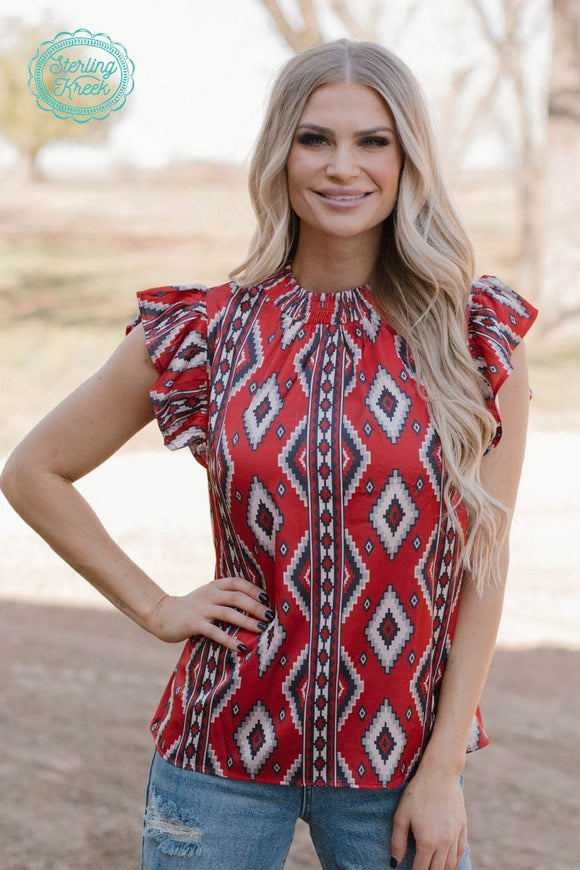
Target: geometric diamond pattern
pixel 263 409
pixel 393 514
pixel 389 404
pixel 421 685
pixel 225 469
pixel 384 743
pixel 402 349
pixel 430 456
pixel 263 516
pixel 297 576
pixel 295 687
pixel 389 629
pixel 293 460
pixel 355 576
pixel 346 776
pixel 256 739
pixel 250 358
pixel 425 568
pixel 304 361
pixel 349 689
pixel 355 459
pixel 269 643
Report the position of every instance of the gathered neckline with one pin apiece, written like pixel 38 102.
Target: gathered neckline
pixel 337 306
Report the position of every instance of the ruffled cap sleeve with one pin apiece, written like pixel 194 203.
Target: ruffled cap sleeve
pixel 498 319
pixel 175 323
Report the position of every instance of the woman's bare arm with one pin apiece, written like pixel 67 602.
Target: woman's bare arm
pixel 432 805
pixel 76 437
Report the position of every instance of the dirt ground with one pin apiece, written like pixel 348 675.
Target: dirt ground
pixel 79 682
pixel 78 687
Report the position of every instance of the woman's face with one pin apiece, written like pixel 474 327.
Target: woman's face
pixel 344 163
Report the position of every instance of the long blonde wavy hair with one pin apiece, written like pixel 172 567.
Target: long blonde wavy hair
pixel 422 276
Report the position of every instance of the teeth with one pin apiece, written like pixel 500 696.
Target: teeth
pixel 344 197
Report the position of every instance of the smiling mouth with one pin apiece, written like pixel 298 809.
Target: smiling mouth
pixel 343 197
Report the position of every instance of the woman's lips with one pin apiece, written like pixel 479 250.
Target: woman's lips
pixel 342 199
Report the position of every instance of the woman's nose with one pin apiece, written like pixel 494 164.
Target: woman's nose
pixel 342 163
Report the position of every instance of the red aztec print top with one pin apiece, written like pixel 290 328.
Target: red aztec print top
pixel 325 480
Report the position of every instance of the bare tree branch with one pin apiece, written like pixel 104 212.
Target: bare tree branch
pixel 351 22
pixel 482 108
pixel 485 22
pixel 347 12
pixel 564 99
pixel 562 292
pixel 282 26
pixel 312 30
pixel 510 45
pixel 297 38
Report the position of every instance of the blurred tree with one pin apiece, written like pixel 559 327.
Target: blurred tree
pixel 22 123
pixel 304 22
pixel 563 169
pixel 565 78
pixel 508 27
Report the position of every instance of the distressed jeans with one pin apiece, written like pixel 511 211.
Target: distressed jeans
pixel 194 821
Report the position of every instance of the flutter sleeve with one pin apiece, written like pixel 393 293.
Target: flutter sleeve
pixel 175 323
pixel 498 319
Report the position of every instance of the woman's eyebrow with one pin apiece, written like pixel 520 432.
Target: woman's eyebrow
pixel 327 130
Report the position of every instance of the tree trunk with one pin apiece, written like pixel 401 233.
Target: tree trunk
pixel 28 167
pixel 561 301
pixel 531 192
pixel 510 44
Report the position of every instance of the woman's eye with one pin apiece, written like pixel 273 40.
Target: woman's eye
pixel 312 139
pixel 375 141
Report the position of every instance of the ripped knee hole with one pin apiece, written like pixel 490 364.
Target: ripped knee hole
pixel 174 829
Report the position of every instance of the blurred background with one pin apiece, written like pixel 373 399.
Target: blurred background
pixel 156 194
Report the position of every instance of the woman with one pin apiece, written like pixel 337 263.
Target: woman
pixel 343 392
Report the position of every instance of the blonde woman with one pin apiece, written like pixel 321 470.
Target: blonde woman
pixel 343 391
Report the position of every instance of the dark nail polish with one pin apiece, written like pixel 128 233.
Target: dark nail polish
pixel 264 598
pixel 242 647
pixel 394 862
pixel 269 615
pixel 262 625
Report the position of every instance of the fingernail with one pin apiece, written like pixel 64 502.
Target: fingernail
pixel 269 615
pixel 393 862
pixel 262 625
pixel 263 598
pixel 242 647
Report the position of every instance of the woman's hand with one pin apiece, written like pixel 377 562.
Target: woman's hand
pixel 231 600
pixel 432 808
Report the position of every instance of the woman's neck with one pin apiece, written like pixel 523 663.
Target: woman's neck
pixel 329 267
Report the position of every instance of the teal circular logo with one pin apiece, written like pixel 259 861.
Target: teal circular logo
pixel 81 75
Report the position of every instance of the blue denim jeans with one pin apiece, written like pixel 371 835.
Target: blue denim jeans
pixel 194 821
